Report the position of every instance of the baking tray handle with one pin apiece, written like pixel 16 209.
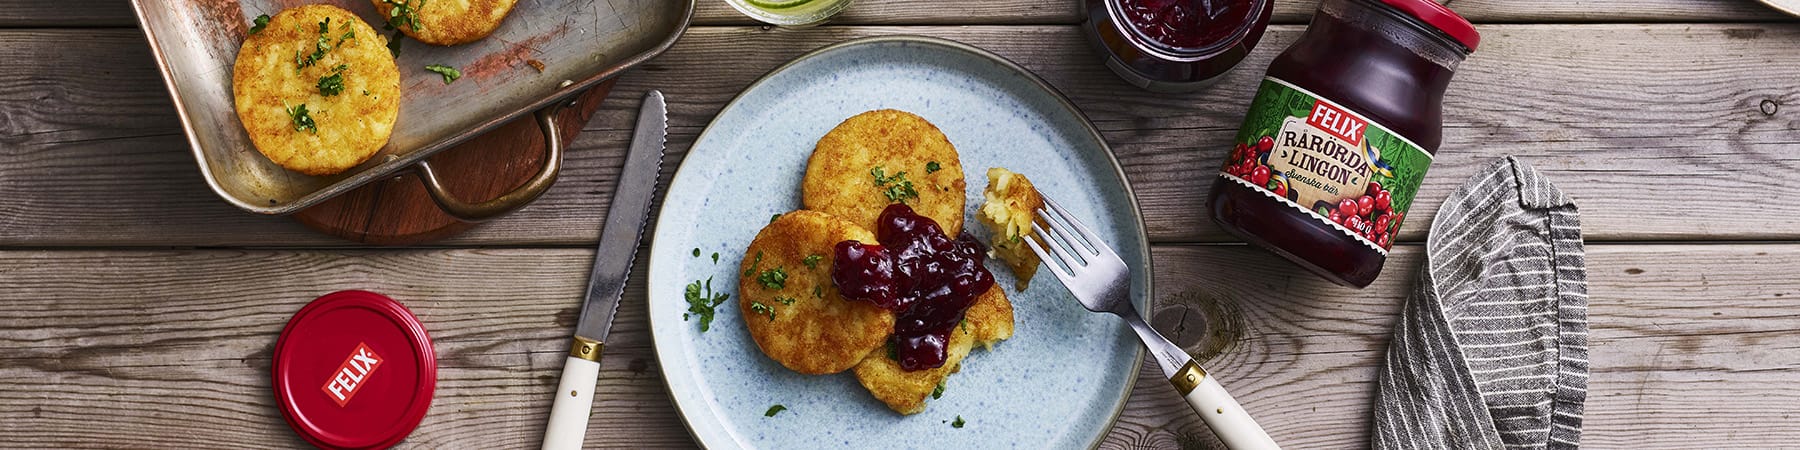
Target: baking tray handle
pixel 478 212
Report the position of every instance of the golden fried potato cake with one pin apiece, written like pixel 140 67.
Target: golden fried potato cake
pixel 905 392
pixel 316 89
pixel 880 157
pixel 991 317
pixel 792 308
pixel 988 321
pixel 1010 208
pixel 445 22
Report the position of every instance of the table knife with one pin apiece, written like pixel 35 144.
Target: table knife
pixel 606 284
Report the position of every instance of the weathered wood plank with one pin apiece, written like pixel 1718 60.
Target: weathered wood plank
pixel 92 154
pixel 1692 345
pixel 192 332
pixel 40 13
pixel 1682 336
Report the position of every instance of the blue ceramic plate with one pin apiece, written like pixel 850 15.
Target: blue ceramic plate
pixel 1058 383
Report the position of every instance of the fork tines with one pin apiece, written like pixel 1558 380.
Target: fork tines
pixel 1070 251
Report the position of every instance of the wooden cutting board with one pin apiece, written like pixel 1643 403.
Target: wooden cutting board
pixel 397 211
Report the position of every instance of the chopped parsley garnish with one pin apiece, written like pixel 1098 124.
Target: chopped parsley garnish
pixel 753 265
pixel 775 278
pixel 812 261
pixel 785 300
pixel 773 410
pixel 958 423
pixel 897 188
pixel 932 167
pixel 774 217
pixel 450 73
pixel 321 45
pixel 818 291
pixel 303 121
pixel 938 392
pixel 715 257
pixel 893 354
pixel 881 177
pixel 393 44
pixel 703 303
pixel 404 13
pixel 333 84
pixel 901 192
pixel 696 252
pixel 261 22
pixel 760 308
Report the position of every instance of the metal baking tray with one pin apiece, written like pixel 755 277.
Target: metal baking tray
pixel 1792 7
pixel 578 42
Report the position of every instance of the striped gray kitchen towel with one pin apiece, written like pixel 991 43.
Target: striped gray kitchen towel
pixel 1491 348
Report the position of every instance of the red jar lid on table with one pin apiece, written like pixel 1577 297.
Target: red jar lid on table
pixel 1440 17
pixel 354 369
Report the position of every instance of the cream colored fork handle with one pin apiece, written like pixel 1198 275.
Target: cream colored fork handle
pixel 1228 420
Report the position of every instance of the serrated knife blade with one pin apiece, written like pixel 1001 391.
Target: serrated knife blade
pixel 619 238
pixel 625 220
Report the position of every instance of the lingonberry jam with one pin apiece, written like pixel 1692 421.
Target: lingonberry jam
pixel 1186 24
pixel 1174 45
pixel 918 272
pixel 1333 149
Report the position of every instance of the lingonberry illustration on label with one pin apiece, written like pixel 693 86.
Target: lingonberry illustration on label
pixel 1323 158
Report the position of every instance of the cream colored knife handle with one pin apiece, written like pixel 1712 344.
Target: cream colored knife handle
pixel 1228 420
pixel 574 400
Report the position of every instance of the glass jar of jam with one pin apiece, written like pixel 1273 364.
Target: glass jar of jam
pixel 1343 127
pixel 1174 45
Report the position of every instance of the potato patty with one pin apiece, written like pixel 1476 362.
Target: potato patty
pixel 316 89
pixel 790 305
pixel 881 157
pixel 988 321
pixel 446 22
pixel 1011 206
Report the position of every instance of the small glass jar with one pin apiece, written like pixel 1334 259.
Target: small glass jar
pixel 1336 143
pixel 1175 45
pixel 790 13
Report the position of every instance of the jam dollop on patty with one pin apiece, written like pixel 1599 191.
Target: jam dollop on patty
pixel 921 274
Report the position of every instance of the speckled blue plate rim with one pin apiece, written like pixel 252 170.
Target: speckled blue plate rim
pixel 716 435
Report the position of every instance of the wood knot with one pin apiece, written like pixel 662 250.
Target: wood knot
pixel 1205 325
pixel 567 316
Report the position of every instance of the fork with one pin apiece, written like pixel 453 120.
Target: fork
pixel 1100 280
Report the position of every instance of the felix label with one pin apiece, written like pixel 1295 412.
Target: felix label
pixel 1339 123
pixel 1330 164
pixel 352 374
pixel 1328 161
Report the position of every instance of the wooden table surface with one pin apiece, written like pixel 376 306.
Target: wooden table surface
pixel 138 309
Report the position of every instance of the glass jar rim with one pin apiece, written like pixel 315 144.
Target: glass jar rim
pixel 1433 34
pixel 1116 9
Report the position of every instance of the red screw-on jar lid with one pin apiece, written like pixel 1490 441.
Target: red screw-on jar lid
pixel 354 369
pixel 1440 17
